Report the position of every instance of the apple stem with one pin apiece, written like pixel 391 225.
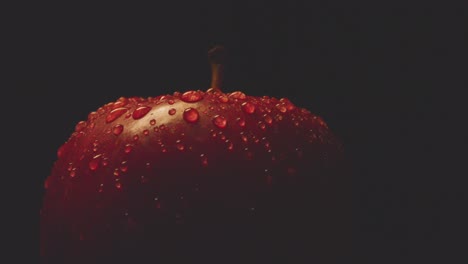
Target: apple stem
pixel 216 56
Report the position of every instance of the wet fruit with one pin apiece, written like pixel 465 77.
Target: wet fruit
pixel 197 176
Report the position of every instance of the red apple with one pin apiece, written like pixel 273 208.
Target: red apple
pixel 196 176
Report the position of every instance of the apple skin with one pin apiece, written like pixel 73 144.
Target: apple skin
pixel 196 176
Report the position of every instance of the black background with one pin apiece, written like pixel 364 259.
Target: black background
pixel 384 79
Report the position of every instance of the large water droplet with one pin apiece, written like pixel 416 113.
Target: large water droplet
pixel 219 121
pixel 116 113
pixel 237 95
pixel 223 98
pixel 153 122
pixel 191 115
pixel 191 96
pixel 117 130
pixel 248 107
pixel 140 112
pixel 171 111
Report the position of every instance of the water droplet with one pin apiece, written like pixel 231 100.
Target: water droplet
pixel 116 113
pixel 230 146
pixel 140 112
pixel 94 163
pixel 101 188
pixel 73 173
pixel 117 130
pixel 171 111
pixel 105 162
pixel 248 154
pixel 281 108
pixel 248 108
pixel 219 121
pixel 191 96
pixel 93 115
pixel 244 137
pixel 128 148
pixel 223 98
pixel 153 122
pixel 156 129
pixel 204 160
pixel 179 145
pixel 261 125
pixel 162 127
pixel 118 185
pixel 116 172
pixel 124 166
pixel 61 151
pixel 268 119
pixel 163 148
pixel 146 132
pixel 240 122
pixel 143 179
pixel 237 95
pixel 170 101
pixel 80 126
pixel 135 138
pixel 191 115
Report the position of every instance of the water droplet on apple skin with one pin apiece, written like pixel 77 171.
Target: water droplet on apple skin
pixel 248 107
pixel 140 112
pixel 191 96
pixel 191 115
pixel 219 121
pixel 117 130
pixel 114 114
